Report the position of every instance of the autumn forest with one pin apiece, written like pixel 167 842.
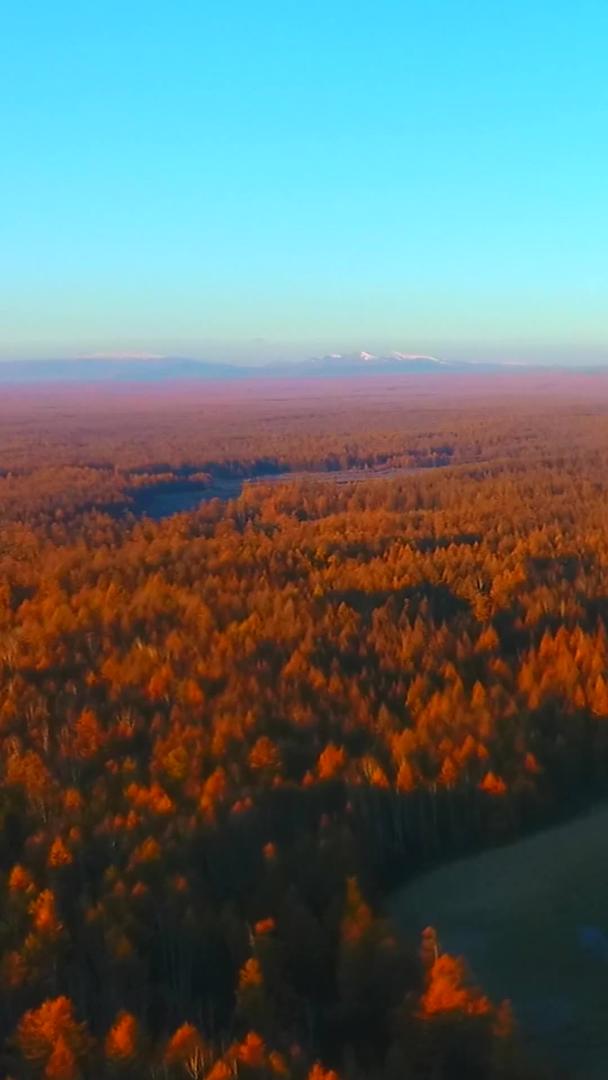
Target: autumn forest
pixel 228 734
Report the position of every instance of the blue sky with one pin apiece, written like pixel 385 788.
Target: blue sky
pixel 250 178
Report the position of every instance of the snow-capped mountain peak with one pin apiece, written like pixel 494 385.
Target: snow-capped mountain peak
pixel 415 356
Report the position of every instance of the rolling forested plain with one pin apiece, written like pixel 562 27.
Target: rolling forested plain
pixel 303 691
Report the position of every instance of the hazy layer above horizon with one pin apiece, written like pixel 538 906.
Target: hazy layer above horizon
pixel 345 368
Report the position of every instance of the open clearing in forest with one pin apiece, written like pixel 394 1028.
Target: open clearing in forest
pixel 532 920
pixel 167 499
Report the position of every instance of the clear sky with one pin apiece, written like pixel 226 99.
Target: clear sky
pixel 251 178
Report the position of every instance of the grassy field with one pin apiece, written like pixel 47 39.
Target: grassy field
pixel 532 921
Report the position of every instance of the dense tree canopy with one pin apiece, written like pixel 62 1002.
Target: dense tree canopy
pixel 225 734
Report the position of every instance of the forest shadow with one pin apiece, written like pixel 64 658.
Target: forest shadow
pixel 436 601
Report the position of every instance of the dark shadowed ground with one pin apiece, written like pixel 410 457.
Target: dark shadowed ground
pixel 532 919
pixel 158 503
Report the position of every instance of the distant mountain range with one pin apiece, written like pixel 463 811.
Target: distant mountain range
pixel 166 368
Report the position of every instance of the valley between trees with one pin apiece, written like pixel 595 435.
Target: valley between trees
pixel 225 736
